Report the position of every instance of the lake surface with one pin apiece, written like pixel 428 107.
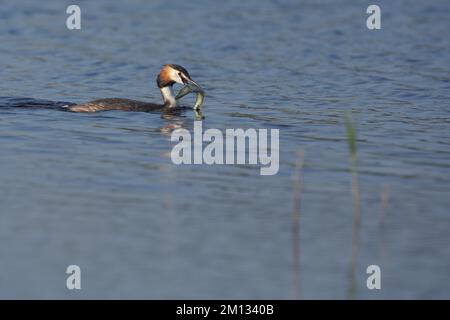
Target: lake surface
pixel 100 190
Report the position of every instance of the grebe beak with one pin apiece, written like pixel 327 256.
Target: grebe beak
pixel 192 85
pixel 187 81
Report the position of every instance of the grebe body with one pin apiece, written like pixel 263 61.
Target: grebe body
pixel 168 76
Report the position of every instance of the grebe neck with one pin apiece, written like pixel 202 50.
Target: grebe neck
pixel 169 99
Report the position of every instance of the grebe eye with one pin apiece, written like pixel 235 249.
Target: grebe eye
pixel 183 79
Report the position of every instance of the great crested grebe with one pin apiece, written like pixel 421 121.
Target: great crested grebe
pixel 168 76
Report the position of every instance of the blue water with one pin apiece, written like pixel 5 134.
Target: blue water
pixel 100 191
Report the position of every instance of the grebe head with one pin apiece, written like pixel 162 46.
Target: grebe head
pixel 168 76
pixel 173 73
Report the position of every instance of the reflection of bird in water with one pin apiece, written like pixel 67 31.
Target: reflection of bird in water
pixel 175 120
pixel 168 76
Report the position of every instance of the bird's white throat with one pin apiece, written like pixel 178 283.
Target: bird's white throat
pixel 169 99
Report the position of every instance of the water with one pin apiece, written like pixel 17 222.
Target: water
pixel 100 191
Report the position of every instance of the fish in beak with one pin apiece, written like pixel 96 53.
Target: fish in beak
pixel 192 86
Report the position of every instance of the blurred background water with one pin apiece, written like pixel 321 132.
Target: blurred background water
pixel 100 191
